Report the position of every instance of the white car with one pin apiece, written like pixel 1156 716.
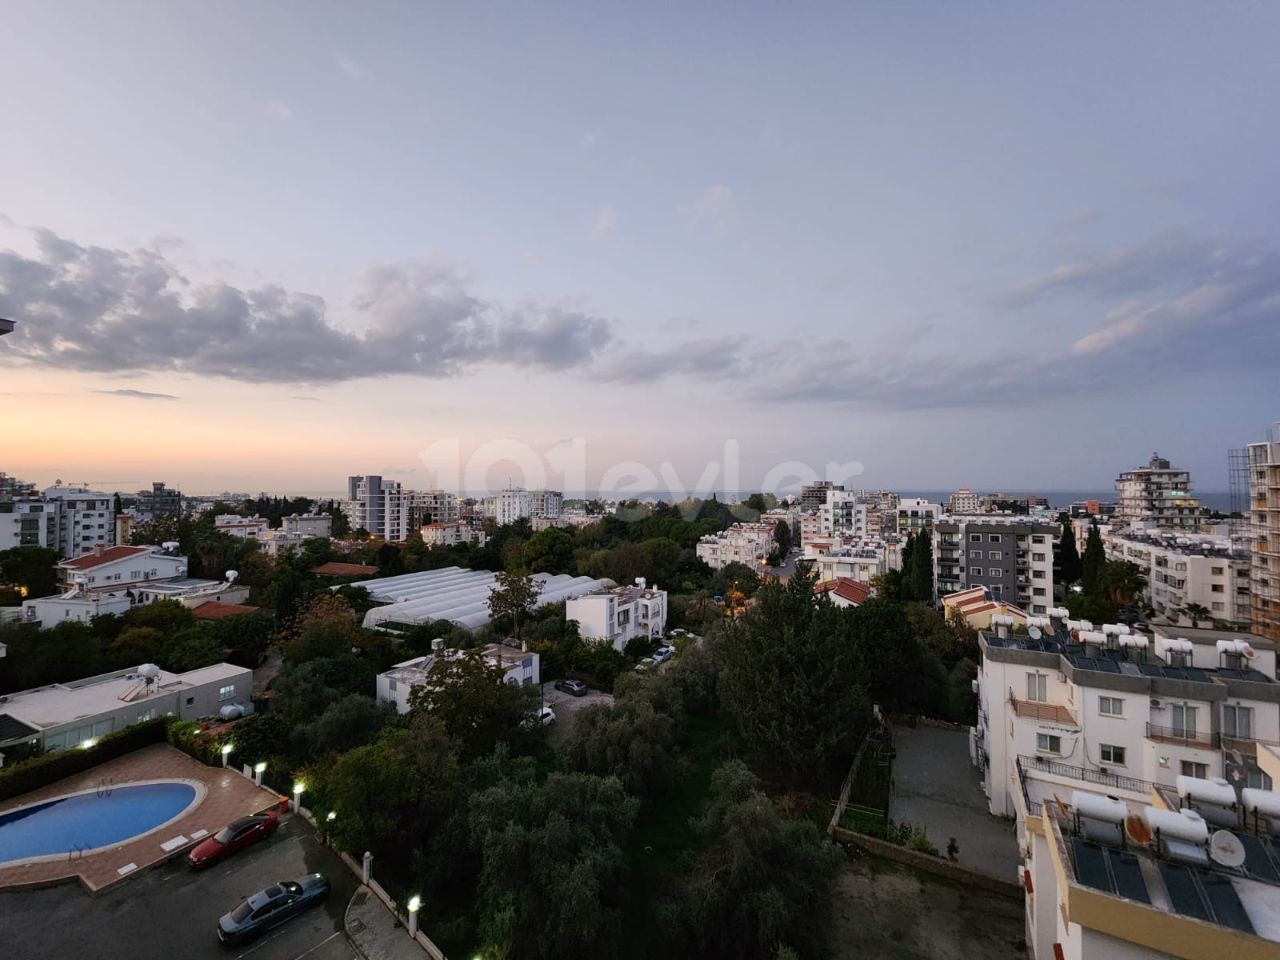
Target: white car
pixel 646 664
pixel 542 718
pixel 662 654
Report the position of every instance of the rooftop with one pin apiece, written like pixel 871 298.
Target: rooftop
pixel 335 568
pixel 216 610
pixel 109 555
pixel 846 588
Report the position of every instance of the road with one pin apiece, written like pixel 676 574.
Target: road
pixel 171 912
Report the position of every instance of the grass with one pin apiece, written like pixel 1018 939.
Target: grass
pixel 664 835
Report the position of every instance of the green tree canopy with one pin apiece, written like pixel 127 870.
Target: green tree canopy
pixel 32 569
pixel 1093 563
pixel 1068 554
pixel 514 596
pixel 473 702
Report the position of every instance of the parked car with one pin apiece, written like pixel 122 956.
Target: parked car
pixel 662 654
pixel 542 718
pixel 235 836
pixel 575 687
pixel 646 664
pixel 271 907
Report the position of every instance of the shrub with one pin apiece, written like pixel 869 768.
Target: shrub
pixel 52 767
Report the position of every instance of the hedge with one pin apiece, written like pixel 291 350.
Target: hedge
pixel 52 767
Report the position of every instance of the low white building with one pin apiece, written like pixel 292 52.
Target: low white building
pixel 308 525
pixel 242 528
pixel 451 534
pixel 396 685
pixel 915 513
pixel 746 543
pixel 1186 568
pixel 275 542
pixel 858 558
pixel 618 615
pixel 62 715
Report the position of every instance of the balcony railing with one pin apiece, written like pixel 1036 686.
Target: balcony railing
pixel 1182 735
pixel 1071 772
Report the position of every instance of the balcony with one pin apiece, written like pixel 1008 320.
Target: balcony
pixel 1182 736
pixel 1100 777
pixel 1049 712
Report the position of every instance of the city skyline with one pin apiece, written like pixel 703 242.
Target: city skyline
pixel 322 244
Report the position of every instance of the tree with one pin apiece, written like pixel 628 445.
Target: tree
pixel 473 702
pixel 921 572
pixel 901 676
pixel 1068 556
pixel 32 569
pixel 1123 581
pixel 549 551
pixel 791 679
pixel 762 883
pixel 344 724
pixel 781 542
pixel 552 863
pixel 326 628
pixel 514 595
pixel 1093 562
pixel 629 740
pixel 1197 612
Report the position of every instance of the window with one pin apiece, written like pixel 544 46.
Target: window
pixel 993 538
pixel 1038 557
pixel 1237 722
pixel 1037 574
pixel 1038 592
pixel 1111 706
pixel 975 538
pixel 1113 754
pixel 227 692
pixel 191 701
pixel 1190 769
pixel 1219 606
pixel 975 571
pixel 1048 743
pixel 1037 687
pixel 1038 538
pixel 1217 571
pixel 994 555
pixel 1184 722
pixel 975 554
pixel 1253 777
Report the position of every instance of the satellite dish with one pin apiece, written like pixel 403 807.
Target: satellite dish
pixel 231 575
pixel 1226 849
pixel 1035 633
pixel 1137 830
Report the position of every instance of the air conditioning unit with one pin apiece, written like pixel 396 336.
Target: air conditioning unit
pixel 1062 677
pixel 1156 703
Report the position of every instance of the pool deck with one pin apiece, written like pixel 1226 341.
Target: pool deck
pixel 227 795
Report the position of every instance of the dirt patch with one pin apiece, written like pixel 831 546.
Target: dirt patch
pixel 887 911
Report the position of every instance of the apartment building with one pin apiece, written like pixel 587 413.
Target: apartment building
pixel 844 514
pixel 746 543
pixel 28 522
pixel 157 502
pixel 308 525
pixel 1011 556
pixel 442 534
pixel 963 501
pixel 814 495
pixel 11 488
pixel 396 686
pixel 508 506
pixel 1264 535
pixel 1113 707
pixel 86 518
pixel 914 513
pixel 242 528
pixel 545 503
pixel 856 558
pixel 1159 493
pixel 379 506
pixel 1184 570
pixel 618 615
pixel 432 506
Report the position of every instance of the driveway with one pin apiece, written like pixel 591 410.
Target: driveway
pixel 566 706
pixel 936 787
pixel 171 912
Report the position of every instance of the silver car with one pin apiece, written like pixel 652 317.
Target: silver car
pixel 271 907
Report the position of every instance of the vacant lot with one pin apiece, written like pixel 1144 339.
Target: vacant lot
pixel 887 911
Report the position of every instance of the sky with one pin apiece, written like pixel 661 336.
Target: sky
pixel 1006 246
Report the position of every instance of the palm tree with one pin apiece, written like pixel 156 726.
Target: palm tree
pixel 1197 612
pixel 1123 581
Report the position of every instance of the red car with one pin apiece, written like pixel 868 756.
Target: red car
pixel 236 835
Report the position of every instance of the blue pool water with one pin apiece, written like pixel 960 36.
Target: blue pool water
pixel 90 820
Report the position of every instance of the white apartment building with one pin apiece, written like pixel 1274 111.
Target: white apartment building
pixel 1158 493
pixel 617 615
pixel 308 525
pixel 276 542
pixel 545 503
pixel 28 522
pixel 812 526
pixel 844 514
pixel 1183 569
pixel 64 715
pixel 456 533
pixel 1012 556
pixel 856 558
pixel 86 518
pixel 1113 707
pixel 567 519
pixel 432 506
pixel 379 506
pixel 1264 532
pixel 914 513
pixel 508 506
pixel 242 528
pixel 964 501
pixel 396 685
pixel 746 543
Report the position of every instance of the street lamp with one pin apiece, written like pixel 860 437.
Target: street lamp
pixel 298 787
pixel 415 904
pixel 258 769
pixel 226 752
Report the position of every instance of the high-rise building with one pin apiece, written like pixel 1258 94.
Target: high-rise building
pixel 963 500
pixel 11 488
pixel 1157 493
pixel 432 506
pixel 1264 530
pixel 814 495
pixel 1011 556
pixel 86 519
pixel 508 506
pixel 378 506
pixel 158 502
pixel 545 503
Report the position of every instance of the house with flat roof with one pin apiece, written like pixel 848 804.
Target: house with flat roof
pixel 62 715
pixel 519 667
pixel 620 614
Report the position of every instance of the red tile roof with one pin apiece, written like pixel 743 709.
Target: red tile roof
pixel 335 569
pixel 846 588
pixel 216 610
pixel 90 560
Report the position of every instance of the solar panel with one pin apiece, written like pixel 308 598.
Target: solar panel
pixel 1227 908
pixel 1184 893
pixel 1091 866
pixel 1108 666
pixel 1195 673
pixel 1258 861
pixel 1151 669
pixel 1128 875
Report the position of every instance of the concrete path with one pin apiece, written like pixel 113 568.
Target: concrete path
pixel 936 787
pixel 374 931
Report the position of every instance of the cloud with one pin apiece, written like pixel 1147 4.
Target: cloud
pixel 306 399
pixel 351 67
pixel 714 209
pixel 139 394
pixel 278 110
pixel 604 223
pixel 97 309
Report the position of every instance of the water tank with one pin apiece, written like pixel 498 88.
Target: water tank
pixel 149 670
pixel 231 712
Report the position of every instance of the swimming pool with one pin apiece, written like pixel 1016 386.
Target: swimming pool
pixel 86 821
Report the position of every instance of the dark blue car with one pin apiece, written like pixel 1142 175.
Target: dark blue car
pixel 271 907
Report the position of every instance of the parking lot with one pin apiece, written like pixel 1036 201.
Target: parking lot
pixel 566 705
pixel 171 912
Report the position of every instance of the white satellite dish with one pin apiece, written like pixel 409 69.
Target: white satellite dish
pixel 1035 633
pixel 1226 849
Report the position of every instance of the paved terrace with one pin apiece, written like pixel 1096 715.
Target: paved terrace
pixel 227 795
